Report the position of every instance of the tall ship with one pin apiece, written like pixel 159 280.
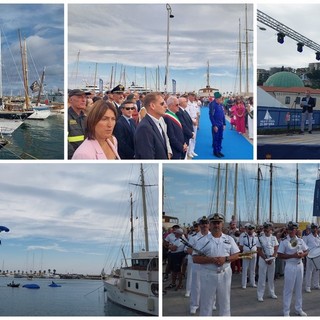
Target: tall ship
pixel 136 284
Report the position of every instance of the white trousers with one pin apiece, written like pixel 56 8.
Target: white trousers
pixel 311 274
pixel 189 273
pixel 195 287
pixel 293 278
pixel 215 284
pixel 249 265
pixel 265 270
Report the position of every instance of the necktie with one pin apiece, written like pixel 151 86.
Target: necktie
pixel 132 126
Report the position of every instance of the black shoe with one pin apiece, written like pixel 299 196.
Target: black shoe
pixel 310 131
pixel 216 154
pixel 221 154
pixel 301 132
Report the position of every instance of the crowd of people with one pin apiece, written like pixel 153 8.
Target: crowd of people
pixel 210 251
pixel 130 125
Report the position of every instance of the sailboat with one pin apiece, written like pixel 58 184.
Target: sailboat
pixel 207 91
pixel 41 111
pixel 136 286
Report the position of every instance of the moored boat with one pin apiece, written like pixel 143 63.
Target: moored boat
pixel 135 286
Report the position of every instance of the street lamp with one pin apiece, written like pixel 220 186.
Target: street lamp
pixel 169 16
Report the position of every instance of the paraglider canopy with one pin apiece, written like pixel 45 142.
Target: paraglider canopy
pixel 5 229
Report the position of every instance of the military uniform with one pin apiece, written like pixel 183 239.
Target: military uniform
pixel 293 273
pixel 215 281
pixel 267 244
pixel 249 244
pixel 76 130
pixel 312 241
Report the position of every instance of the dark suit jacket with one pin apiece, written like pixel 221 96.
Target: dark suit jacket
pixel 149 144
pixel 187 126
pixel 311 104
pixel 176 138
pixel 124 134
pixel 119 113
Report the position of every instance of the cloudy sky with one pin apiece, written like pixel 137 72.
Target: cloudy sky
pixel 43 27
pixel 191 191
pixel 135 36
pixel 301 18
pixel 72 217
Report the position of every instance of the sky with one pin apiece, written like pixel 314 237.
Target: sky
pixel 42 25
pixel 191 191
pixel 74 218
pixel 302 18
pixel 134 37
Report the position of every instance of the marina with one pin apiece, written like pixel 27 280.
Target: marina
pixel 36 139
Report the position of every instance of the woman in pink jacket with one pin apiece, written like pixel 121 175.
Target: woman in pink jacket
pixel 99 144
pixel 240 112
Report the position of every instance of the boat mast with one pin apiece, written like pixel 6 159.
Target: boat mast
pixel 225 191
pixel 208 78
pixel 235 191
pixel 23 51
pixel 259 176
pixel 247 48
pixel 144 204
pixel 40 87
pixel 297 192
pixel 95 78
pixel 270 199
pixel 131 221
pixel 240 64
pixel 218 189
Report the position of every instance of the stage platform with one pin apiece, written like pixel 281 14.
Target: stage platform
pixel 292 146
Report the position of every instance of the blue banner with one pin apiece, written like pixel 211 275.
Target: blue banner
pixel 174 86
pixel 316 199
pixel 283 118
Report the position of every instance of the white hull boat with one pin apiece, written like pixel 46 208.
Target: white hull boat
pixel 7 127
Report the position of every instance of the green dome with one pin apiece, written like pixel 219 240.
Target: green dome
pixel 284 79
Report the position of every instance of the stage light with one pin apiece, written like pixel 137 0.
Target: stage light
pixel 281 37
pixel 300 46
pixel 317 55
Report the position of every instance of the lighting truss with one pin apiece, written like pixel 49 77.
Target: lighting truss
pixel 280 27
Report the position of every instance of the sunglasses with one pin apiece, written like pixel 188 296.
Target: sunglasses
pixel 130 108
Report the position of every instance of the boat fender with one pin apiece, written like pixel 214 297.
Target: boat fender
pixel 122 285
pixel 150 304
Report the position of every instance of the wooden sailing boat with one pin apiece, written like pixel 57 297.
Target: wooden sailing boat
pixel 40 111
pixel 207 91
pixel 135 286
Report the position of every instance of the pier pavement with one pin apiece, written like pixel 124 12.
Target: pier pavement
pixel 243 301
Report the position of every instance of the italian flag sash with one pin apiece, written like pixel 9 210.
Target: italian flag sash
pixel 173 117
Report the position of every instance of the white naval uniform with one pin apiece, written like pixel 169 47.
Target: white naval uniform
pixel 192 109
pixel 267 245
pixel 195 276
pixel 293 275
pixel 312 242
pixel 192 240
pixel 216 281
pixel 249 244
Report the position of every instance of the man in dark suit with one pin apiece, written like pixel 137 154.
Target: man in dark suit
pixel 118 97
pixel 124 130
pixel 174 129
pixel 186 121
pixel 307 105
pixel 149 139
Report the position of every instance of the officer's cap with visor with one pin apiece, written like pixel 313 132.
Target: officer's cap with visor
pixel 314 226
pixel 292 225
pixel 249 226
pixel 216 217
pixel 203 220
pixel 195 224
pixel 267 225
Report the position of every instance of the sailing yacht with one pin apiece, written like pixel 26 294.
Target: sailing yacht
pixel 135 286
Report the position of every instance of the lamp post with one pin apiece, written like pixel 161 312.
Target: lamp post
pixel 169 16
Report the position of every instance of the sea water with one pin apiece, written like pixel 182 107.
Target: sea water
pixel 74 298
pixel 37 139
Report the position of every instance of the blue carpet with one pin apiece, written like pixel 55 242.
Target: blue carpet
pixel 234 145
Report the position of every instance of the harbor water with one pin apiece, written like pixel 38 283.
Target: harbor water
pixel 37 139
pixel 75 297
